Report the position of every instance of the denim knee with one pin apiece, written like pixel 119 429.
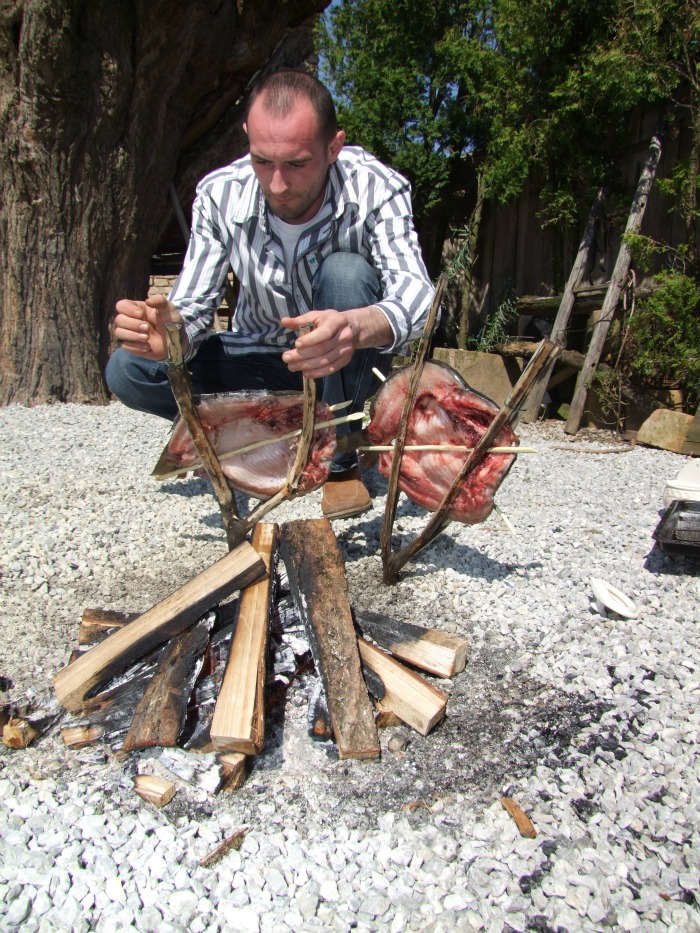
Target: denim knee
pixel 140 384
pixel 344 281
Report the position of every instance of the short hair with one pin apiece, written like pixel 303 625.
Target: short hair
pixel 282 90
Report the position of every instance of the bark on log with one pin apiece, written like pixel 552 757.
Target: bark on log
pixel 617 282
pixel 160 715
pixel 166 619
pixel 317 580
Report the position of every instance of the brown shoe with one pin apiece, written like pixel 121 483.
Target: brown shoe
pixel 344 495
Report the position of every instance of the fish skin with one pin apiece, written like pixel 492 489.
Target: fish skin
pixel 446 410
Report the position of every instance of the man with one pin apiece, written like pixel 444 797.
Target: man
pixel 316 234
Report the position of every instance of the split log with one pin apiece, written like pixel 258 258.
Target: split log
pixel 436 652
pixel 81 736
pixel 155 790
pixel 414 700
pixel 160 715
pixel 317 580
pixel 96 624
pixel 174 614
pixel 617 281
pixel 239 716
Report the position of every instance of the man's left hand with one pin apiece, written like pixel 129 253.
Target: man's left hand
pixel 333 338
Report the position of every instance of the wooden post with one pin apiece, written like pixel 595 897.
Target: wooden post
pixel 182 390
pixel 561 321
pixel 239 716
pixel 617 282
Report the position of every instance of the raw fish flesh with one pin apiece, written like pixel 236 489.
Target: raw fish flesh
pixel 237 419
pixel 445 411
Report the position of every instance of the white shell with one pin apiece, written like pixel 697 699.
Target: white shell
pixel 608 597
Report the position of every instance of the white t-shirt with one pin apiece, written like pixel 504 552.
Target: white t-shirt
pixel 289 234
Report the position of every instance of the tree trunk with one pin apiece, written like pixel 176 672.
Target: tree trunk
pixel 104 106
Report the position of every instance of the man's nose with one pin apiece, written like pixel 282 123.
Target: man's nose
pixel 278 185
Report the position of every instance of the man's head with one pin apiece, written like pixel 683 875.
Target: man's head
pixel 294 138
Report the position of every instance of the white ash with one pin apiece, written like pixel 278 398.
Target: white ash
pixel 591 723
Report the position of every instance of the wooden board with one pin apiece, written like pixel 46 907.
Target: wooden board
pixel 436 652
pixel 317 580
pixel 413 699
pixel 160 714
pixel 167 618
pixel 239 716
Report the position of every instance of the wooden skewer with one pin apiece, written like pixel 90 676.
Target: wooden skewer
pixel 263 443
pixel 426 447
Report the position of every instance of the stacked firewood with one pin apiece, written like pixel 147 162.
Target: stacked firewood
pixel 189 675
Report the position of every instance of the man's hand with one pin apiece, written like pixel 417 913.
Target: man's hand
pixel 140 326
pixel 334 337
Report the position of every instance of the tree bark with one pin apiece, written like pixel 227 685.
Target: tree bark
pixel 102 107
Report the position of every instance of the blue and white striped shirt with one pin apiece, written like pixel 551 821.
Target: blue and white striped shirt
pixel 367 210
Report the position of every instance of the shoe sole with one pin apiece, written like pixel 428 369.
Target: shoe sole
pixel 347 513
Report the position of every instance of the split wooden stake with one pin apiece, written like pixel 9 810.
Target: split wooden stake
pixel 239 716
pixel 433 651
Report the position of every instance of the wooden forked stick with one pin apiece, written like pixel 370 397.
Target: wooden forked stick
pixel 392 495
pixel 182 390
pixel 508 414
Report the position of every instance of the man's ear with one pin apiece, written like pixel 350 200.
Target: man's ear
pixel 245 128
pixel 335 145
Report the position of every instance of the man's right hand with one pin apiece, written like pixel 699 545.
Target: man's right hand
pixel 140 326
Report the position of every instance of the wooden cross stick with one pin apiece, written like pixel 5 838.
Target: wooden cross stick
pixel 182 390
pixel 508 414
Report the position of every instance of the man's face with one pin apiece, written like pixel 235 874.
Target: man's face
pixel 290 159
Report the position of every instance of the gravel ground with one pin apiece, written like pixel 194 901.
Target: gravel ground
pixel 590 722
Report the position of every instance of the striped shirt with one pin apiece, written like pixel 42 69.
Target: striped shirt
pixel 367 210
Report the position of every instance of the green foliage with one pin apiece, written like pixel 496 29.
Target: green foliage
pixel 496 328
pixel 665 335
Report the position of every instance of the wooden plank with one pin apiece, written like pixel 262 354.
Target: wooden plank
pixel 160 713
pixel 414 700
pixel 437 652
pixel 239 716
pixel 97 623
pixel 317 580
pixel 166 619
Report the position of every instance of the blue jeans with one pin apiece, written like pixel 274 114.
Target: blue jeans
pixel 343 281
